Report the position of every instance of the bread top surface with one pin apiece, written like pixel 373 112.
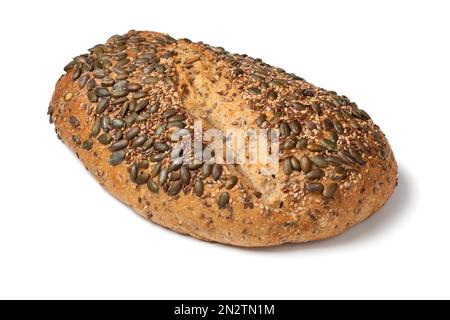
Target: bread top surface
pixel 125 99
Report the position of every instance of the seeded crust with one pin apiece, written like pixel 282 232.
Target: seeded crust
pixel 203 82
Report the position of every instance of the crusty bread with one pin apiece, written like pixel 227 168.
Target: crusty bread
pixel 336 167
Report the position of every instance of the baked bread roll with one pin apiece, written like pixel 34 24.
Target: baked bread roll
pixel 118 108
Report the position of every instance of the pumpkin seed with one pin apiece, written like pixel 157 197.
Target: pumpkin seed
pixel 142 179
pixel 119 93
pixel 118 135
pixel 133 133
pixel 157 157
pixel 257 76
pixel 231 182
pixel 311 125
pixel 295 127
pixel 328 144
pixel 122 84
pixel 119 145
pixel 102 105
pixel 155 108
pixel 117 123
pixel 238 71
pixel 255 91
pixel 357 156
pixel 175 166
pixel 74 122
pixel 309 92
pixel 133 172
pixel 334 136
pixel 139 95
pixel 104 139
pixel 139 141
pixel 273 95
pixel 278 82
pixel 161 147
pixel 148 143
pixel 160 130
pixel 131 119
pixel 120 101
pixel 289 144
pixel 199 188
pixel 315 147
pixel 314 188
pixel 90 85
pixel 319 161
pixel 301 144
pixel 96 128
pixel 334 160
pixel 194 167
pixel 177 117
pixel 261 119
pixel 156 170
pixel 152 186
pixel 224 199
pixel 177 124
pixel 102 92
pixel 340 170
pixel 346 158
pixel 316 108
pixel 124 109
pixel 287 166
pixel 123 62
pixel 327 124
pixel 116 158
pixel 92 97
pixel 217 171
pixel 87 145
pixel 264 85
pixel 169 113
pixel 160 68
pixel 315 174
pixel 295 164
pixel 142 117
pixel 175 188
pixel 76 139
pixel 99 73
pixel 118 70
pixel 276 117
pixel 69 66
pixel 76 72
pixel 120 56
pixel 339 174
pixel 353 124
pixel 338 127
pixel 185 175
pixel 336 102
pixel 206 170
pixel 284 129
pixel 305 164
pixel 163 176
pixel 122 76
pixel 134 87
pixel 330 190
pixel 106 123
pixel 299 106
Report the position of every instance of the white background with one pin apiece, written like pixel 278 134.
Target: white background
pixel 62 236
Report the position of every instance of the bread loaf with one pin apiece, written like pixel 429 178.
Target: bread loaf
pixel 118 106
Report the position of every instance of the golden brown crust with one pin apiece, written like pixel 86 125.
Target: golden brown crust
pixel 248 220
